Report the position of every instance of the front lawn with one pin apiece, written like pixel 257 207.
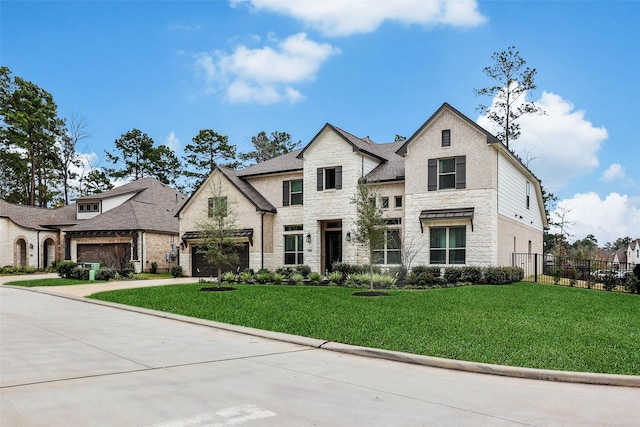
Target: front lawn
pixel 49 282
pixel 524 324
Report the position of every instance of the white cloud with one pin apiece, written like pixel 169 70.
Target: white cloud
pixel 607 219
pixel 562 144
pixel 613 173
pixel 344 18
pixel 172 142
pixel 264 75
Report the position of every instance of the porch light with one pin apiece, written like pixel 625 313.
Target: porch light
pixel 348 236
pixel 308 237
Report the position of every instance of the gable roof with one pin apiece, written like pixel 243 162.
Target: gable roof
pixel 153 208
pixel 363 145
pixel 255 197
pixel 445 106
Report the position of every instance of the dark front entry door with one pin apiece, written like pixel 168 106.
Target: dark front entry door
pixel 332 248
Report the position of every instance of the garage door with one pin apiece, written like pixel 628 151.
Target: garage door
pixel 112 255
pixel 201 268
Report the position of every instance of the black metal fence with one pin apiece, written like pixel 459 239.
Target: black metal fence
pixel 567 271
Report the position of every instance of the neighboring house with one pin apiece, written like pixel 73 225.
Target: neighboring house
pixel 626 258
pixel 26 237
pixel 452 194
pixel 134 222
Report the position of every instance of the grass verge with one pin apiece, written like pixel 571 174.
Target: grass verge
pixel 49 282
pixel 525 324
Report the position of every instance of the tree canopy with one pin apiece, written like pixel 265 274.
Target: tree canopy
pixel 266 147
pixel 30 157
pixel 512 82
pixel 207 150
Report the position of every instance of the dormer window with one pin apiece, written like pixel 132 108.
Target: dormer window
pixel 89 207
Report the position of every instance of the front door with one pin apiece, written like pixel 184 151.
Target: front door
pixel 333 248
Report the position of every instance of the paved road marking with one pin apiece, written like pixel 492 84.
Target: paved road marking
pixel 235 415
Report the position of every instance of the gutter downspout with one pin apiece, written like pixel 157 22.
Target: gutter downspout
pixel 262 240
pixel 38 249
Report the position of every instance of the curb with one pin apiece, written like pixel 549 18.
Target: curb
pixel 396 356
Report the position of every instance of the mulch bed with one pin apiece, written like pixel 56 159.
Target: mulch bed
pixel 216 289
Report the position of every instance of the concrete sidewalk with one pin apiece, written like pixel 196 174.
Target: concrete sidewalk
pixel 81 291
pixel 72 361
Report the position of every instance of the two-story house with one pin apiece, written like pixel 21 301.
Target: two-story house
pixel 134 222
pixel 452 194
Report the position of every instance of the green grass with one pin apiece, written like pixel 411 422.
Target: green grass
pixel 525 324
pixel 49 282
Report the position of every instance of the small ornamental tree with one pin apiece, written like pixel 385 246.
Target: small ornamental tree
pixel 218 231
pixel 370 230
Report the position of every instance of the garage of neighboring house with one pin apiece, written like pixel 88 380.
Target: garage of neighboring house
pixel 112 255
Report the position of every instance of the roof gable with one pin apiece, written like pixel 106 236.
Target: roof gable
pixel 445 106
pixel 365 146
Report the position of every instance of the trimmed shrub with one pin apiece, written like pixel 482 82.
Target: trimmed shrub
pixel 176 271
pixel 453 274
pixel 434 271
pixel 346 269
pixel 154 267
pixel 632 283
pixel 65 268
pixel 400 273
pixel 79 273
pixel 471 274
pixel 503 275
pixel 610 281
pixel 106 274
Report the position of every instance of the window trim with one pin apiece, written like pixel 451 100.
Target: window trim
pixel 295 232
pixel 322 178
pixel 287 192
pixel 446 138
pixel 447 249
pixel 433 174
pixel 397 205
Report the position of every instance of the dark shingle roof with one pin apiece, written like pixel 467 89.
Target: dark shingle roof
pixel 260 202
pixel 284 163
pixel 37 218
pixel 153 208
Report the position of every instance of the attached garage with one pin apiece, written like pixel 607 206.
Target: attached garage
pixel 201 268
pixel 113 255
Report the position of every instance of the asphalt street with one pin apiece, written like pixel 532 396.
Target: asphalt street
pixel 65 361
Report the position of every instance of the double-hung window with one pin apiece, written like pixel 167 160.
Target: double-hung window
pixel 292 192
pixel 446 173
pixel 447 245
pixel 293 245
pixel 329 178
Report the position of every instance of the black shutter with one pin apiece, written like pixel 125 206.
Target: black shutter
pixel 285 193
pixel 338 177
pixel 432 174
pixel 461 172
pixel 320 178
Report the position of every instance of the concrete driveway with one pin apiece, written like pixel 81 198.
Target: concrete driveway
pixel 66 361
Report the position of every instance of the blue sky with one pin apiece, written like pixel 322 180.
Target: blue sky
pixel 373 68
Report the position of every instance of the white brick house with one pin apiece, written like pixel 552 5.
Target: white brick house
pixel 452 194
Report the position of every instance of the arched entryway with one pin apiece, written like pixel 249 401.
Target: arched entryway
pixel 48 252
pixel 20 252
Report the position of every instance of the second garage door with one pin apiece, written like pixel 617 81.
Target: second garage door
pixel 201 268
